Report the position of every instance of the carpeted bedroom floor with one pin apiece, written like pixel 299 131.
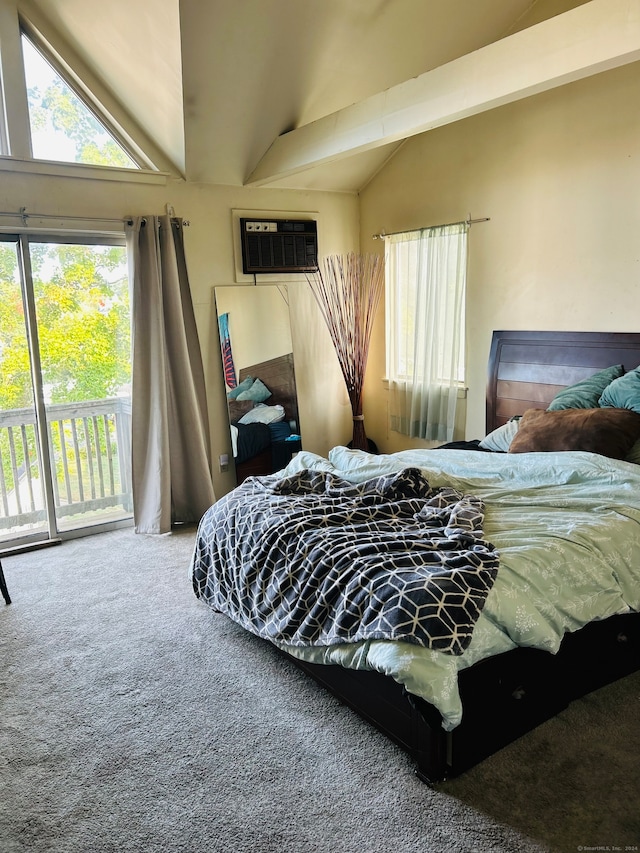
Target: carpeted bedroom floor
pixel 135 719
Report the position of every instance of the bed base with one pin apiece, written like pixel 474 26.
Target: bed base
pixel 503 697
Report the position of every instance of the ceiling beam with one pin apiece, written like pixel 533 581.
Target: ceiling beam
pixel 587 40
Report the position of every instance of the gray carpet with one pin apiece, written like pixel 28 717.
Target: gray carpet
pixel 135 719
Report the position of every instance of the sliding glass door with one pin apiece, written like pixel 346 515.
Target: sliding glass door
pixel 22 500
pixel 65 396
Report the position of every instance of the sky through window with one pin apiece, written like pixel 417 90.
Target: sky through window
pixel 63 128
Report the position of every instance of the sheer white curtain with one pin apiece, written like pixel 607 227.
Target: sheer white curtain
pixel 170 434
pixel 425 296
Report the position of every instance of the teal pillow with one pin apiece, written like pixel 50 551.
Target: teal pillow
pixel 623 393
pixel 246 383
pixel 586 393
pixel 258 393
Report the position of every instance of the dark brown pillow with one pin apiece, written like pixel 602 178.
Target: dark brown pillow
pixel 609 432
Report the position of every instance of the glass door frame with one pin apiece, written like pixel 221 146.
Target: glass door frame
pixel 28 300
pixel 22 239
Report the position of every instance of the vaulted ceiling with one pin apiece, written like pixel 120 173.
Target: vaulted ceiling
pixel 216 82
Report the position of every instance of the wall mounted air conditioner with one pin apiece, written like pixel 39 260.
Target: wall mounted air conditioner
pixel 279 245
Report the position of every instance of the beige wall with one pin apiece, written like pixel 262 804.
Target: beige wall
pixel 209 245
pixel 259 323
pixel 559 177
pixel 210 257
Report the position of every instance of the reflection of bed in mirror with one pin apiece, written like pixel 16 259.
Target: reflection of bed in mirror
pixel 264 440
pixel 257 352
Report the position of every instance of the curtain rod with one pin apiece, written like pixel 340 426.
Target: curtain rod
pixel 22 214
pixel 467 221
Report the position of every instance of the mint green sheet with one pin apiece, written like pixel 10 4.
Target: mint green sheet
pixel 567 528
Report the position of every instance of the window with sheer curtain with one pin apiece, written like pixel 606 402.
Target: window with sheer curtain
pixel 425 322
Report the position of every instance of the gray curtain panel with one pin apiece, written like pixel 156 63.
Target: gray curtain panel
pixel 170 445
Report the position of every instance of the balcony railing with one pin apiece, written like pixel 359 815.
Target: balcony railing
pixel 90 447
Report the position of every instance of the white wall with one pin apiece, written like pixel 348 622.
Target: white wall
pixel 209 245
pixel 559 177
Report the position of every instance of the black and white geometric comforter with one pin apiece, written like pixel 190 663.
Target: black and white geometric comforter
pixel 312 560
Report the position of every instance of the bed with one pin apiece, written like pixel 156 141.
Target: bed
pixel 265 431
pixel 558 618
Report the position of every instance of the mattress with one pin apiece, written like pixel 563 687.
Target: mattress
pixel 567 530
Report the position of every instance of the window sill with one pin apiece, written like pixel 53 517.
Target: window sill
pixel 462 391
pixel 82 170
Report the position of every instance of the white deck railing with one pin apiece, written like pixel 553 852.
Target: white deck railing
pixel 90 448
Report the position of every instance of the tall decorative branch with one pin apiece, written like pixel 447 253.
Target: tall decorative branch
pixel 348 289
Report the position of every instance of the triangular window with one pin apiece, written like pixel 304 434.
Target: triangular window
pixel 63 127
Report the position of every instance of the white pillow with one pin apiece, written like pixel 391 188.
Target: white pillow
pixel 500 439
pixel 263 415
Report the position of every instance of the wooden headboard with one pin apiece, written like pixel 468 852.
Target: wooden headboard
pixel 279 377
pixel 527 369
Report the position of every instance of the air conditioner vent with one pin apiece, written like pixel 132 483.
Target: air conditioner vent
pixel 279 245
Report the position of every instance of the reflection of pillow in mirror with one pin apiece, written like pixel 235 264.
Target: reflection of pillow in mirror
pixel 623 393
pixel 263 415
pixel 500 439
pixel 280 430
pixel 586 393
pixel 258 392
pixel 242 386
pixel 609 432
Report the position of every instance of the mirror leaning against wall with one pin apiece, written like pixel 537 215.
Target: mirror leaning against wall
pixel 257 355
